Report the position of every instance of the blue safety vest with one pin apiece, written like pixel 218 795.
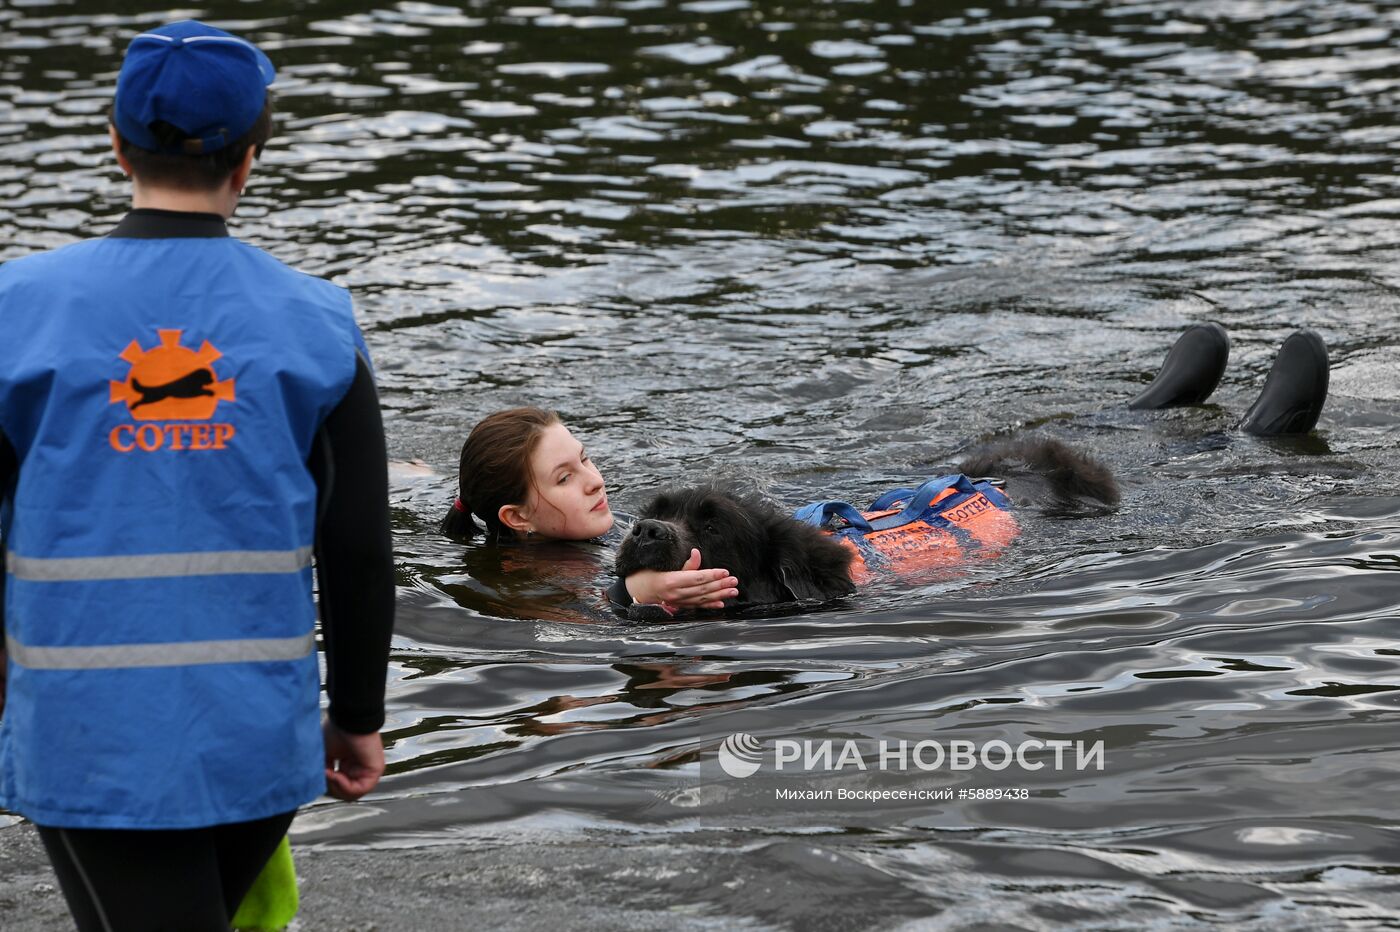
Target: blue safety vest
pixel 163 396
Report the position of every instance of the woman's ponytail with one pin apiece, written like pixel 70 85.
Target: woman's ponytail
pixel 458 523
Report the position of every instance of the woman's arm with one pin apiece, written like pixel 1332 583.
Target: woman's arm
pixel 687 587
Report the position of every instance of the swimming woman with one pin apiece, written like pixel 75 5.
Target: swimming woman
pixel 528 478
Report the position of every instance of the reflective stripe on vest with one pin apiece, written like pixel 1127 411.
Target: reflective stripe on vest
pixel 178 654
pixel 157 565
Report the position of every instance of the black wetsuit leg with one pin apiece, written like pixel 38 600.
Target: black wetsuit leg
pixel 1293 395
pixel 186 880
pixel 1191 370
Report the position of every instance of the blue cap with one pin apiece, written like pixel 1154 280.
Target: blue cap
pixel 209 83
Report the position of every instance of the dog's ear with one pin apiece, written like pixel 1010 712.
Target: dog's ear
pixel 800 579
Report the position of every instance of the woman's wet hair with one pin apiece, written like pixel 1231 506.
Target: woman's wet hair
pixel 188 172
pixel 495 469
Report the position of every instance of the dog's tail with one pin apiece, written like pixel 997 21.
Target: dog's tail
pixel 1072 475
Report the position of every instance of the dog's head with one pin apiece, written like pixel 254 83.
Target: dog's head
pixel 775 557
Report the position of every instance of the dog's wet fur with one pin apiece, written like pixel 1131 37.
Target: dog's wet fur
pixel 777 558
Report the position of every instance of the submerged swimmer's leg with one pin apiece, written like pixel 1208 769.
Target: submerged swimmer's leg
pixel 1191 371
pixel 1295 391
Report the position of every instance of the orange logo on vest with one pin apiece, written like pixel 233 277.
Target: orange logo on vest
pixel 170 382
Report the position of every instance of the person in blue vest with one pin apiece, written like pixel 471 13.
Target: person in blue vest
pixel 185 422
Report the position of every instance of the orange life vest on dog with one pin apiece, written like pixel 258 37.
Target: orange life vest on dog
pixel 939 525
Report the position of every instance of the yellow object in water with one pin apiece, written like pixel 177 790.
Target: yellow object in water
pixel 272 902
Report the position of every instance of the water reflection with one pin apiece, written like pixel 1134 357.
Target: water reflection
pixel 822 248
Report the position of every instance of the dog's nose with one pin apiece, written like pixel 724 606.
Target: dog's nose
pixel 651 529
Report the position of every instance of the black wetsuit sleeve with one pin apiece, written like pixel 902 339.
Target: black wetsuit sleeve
pixel 618 596
pixel 354 555
pixel 9 471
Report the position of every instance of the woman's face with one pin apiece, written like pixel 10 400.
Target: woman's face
pixel 567 499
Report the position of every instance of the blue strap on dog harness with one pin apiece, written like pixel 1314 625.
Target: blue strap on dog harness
pixel 922 504
pixel 919 504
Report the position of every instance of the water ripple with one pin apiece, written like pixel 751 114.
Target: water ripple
pixel 818 251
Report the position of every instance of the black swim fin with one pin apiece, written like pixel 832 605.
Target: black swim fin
pixel 1295 391
pixel 1191 371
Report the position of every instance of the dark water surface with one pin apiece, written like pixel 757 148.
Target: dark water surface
pixel 820 247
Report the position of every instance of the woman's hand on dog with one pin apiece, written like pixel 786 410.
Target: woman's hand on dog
pixel 687 587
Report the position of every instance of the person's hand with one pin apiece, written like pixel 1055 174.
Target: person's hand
pixel 687 587
pixel 354 763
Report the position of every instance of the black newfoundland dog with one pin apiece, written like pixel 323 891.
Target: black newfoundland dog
pixel 775 557
pixel 780 559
